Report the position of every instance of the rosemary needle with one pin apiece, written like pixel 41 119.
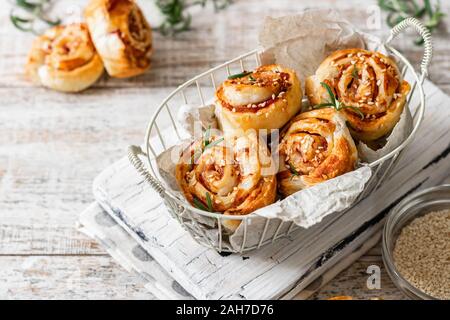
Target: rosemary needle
pixel 335 103
pixel 209 202
pixel 293 170
pixel 239 75
pixel 199 205
pixel 355 72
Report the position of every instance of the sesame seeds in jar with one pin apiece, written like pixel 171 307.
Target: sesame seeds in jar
pixel 422 253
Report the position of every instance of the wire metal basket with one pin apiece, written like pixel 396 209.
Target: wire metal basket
pixel 203 86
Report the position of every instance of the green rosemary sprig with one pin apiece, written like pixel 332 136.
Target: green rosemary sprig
pixel 199 205
pixel 398 10
pixel 294 172
pixel 209 202
pixel 335 103
pixel 206 144
pixel 213 144
pixel 355 72
pixel 206 137
pixel 32 12
pixel 239 75
pixel 177 19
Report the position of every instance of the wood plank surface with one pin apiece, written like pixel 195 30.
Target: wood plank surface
pixel 67 277
pixel 52 146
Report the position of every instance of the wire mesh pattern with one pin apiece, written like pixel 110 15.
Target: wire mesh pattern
pixel 200 89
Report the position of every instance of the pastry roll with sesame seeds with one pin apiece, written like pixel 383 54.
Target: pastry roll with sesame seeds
pixel 315 146
pixel 366 80
pixel 266 98
pixel 233 175
pixel 121 35
pixel 64 59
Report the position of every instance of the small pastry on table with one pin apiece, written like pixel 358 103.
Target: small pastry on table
pixel 64 59
pixel 315 146
pixel 368 83
pixel 263 99
pixel 232 175
pixel 121 35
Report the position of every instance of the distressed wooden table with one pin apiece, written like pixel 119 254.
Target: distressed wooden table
pixel 52 145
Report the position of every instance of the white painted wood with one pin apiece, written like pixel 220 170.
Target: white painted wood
pixel 67 277
pixel 215 39
pixel 52 146
pixel 207 275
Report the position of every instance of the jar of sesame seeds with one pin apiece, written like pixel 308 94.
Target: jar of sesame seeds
pixel 416 244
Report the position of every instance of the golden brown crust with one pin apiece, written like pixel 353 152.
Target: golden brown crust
pixel 367 80
pixel 315 146
pixel 64 59
pixel 235 174
pixel 121 35
pixel 265 99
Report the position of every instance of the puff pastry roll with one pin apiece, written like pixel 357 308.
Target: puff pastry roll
pixel 314 147
pixel 263 99
pixel 64 59
pixel 122 36
pixel 365 80
pixel 233 175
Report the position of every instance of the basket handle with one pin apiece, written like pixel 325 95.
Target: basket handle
pixel 133 155
pixel 424 33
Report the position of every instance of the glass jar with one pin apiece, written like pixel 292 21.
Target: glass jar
pixel 413 206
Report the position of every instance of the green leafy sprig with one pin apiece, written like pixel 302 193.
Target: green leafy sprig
pixel 200 205
pixel 32 12
pixel 177 19
pixel 294 172
pixel 240 75
pixel 209 202
pixel 398 10
pixel 206 144
pixel 335 103
pixel 355 72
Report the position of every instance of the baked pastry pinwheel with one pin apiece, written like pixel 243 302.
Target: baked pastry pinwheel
pixel 64 59
pixel 367 85
pixel 121 35
pixel 315 146
pixel 234 175
pixel 263 99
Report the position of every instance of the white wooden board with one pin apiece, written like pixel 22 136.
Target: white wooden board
pixel 206 274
